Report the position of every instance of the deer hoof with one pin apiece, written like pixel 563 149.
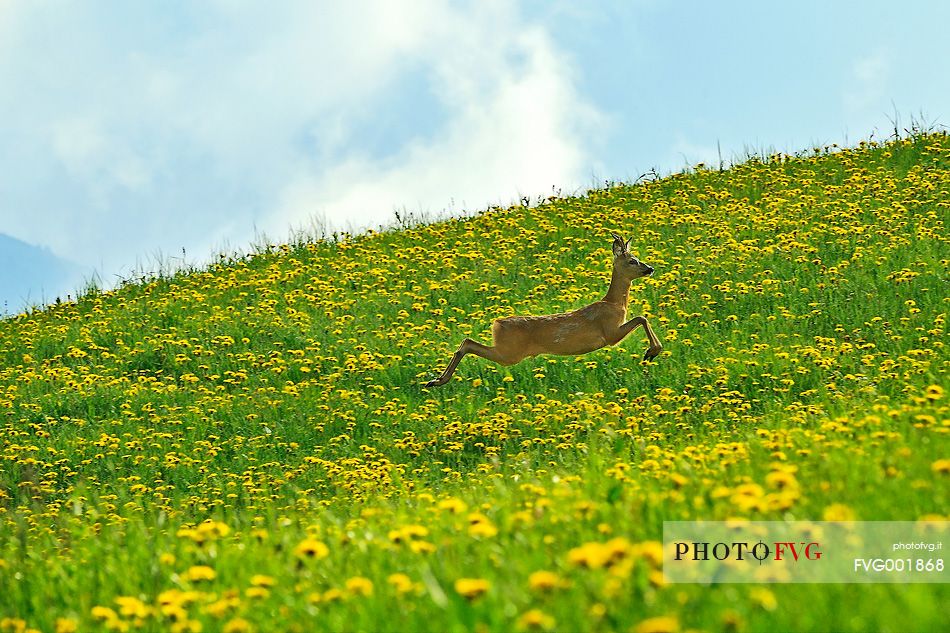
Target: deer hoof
pixel 432 383
pixel 652 353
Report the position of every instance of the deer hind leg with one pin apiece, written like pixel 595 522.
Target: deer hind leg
pixel 469 346
pixel 655 346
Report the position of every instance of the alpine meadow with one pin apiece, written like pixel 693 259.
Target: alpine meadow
pixel 250 445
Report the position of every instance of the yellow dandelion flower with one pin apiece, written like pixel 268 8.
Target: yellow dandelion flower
pixel 199 573
pixel 237 625
pixel 396 536
pixel 214 529
pixel 617 549
pixel 544 581
pixel 781 480
pixel 838 512
pixel 259 580
pixel 104 613
pixel 407 533
pixel 933 392
pixel 453 505
pixel 177 597
pixel 416 531
pixel 651 551
pixel 720 492
pixel 359 586
pixel 260 534
pixel 220 608
pixel 747 496
pixel 174 612
pixel 332 595
pixel 311 548
pixel 471 588
pixel 483 529
pixel 132 607
pixel 589 555
pixel 941 466
pixel 66 625
pixel 764 598
pixel 400 582
pixel 535 619
pixel 421 547
pixel 661 624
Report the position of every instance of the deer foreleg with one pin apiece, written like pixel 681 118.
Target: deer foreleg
pixel 468 346
pixel 655 346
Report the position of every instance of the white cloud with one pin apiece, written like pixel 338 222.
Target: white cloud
pixel 142 129
pixel 88 152
pixel 516 127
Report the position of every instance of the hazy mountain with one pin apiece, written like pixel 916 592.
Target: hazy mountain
pixel 32 275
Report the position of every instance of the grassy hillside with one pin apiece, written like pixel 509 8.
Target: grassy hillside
pixel 249 447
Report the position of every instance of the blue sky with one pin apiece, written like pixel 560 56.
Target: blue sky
pixel 129 131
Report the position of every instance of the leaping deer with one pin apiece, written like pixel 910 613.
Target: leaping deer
pixel 570 333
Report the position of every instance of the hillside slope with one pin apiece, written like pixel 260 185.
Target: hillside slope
pixel 249 447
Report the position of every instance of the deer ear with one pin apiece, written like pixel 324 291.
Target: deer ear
pixel 619 246
pixel 626 246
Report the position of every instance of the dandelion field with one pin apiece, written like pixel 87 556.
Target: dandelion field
pixel 248 447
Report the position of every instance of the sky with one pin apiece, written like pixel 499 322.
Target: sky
pixel 133 132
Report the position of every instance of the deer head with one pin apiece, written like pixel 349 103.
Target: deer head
pixel 626 264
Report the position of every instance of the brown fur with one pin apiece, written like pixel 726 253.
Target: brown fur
pixel 570 333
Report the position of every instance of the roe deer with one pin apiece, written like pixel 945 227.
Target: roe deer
pixel 570 333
